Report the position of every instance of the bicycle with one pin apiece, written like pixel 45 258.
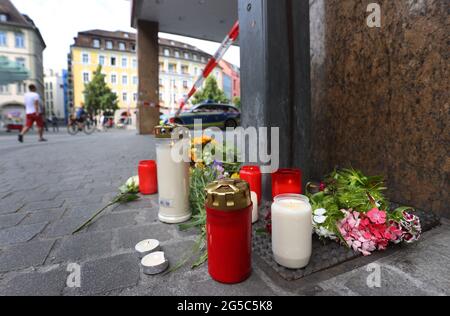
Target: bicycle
pixel 87 126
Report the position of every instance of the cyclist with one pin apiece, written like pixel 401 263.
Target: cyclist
pixel 81 117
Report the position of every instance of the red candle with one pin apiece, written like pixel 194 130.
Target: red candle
pixel 287 181
pixel 229 231
pixel 148 179
pixel 252 174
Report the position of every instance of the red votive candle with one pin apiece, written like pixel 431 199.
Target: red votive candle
pixel 148 179
pixel 287 181
pixel 252 174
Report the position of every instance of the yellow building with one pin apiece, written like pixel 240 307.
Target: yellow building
pixel 180 66
pixel 116 53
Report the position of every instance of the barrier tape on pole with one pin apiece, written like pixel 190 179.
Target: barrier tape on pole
pixel 212 63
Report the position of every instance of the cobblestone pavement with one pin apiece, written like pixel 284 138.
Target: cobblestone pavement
pixel 47 190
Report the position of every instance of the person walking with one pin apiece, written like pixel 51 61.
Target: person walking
pixel 55 124
pixel 32 106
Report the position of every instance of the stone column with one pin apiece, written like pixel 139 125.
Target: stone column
pixel 275 75
pixel 148 59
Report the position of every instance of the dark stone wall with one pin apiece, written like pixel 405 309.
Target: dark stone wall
pixel 380 97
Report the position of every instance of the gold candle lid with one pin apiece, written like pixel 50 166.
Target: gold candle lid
pixel 171 131
pixel 228 195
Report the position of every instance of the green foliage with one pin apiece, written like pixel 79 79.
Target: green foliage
pixel 353 190
pixel 211 92
pixel 237 102
pixel 98 96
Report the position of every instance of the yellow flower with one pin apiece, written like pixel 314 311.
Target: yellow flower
pixel 236 176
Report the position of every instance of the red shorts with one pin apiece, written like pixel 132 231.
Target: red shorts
pixel 31 118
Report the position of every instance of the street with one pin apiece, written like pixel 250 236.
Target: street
pixel 48 189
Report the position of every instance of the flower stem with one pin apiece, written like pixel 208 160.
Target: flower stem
pixel 91 220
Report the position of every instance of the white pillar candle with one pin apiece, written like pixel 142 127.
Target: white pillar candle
pixel 292 231
pixel 173 185
pixel 147 247
pixel 154 263
pixel 255 213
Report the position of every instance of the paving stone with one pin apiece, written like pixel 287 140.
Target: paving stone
pixel 64 227
pixel 23 256
pixel 50 215
pixel 19 234
pixel 105 275
pixel 113 221
pixel 82 201
pixel 129 237
pixel 50 283
pixel 136 205
pixel 82 247
pixel 9 208
pixel 148 216
pixel 7 221
pixel 43 205
pixel 84 211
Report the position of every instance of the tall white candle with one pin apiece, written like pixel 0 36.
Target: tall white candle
pixel 292 231
pixel 255 213
pixel 173 185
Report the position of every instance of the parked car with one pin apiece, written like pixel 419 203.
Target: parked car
pixel 211 114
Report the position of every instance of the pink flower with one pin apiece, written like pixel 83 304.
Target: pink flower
pixel 377 216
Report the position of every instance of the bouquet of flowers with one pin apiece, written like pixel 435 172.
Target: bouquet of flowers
pixel 351 208
pixel 204 170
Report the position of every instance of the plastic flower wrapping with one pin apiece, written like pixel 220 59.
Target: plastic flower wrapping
pixel 351 208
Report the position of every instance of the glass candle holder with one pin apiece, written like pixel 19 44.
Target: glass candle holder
pixel 148 179
pixel 252 174
pixel 286 181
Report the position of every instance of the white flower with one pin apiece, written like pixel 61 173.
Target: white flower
pixel 320 212
pixel 320 219
pixel 133 182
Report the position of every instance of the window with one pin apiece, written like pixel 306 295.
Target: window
pixel 122 46
pixel 124 62
pixel 109 45
pixel 124 80
pixel 172 68
pixel 21 88
pixel 20 40
pixel 135 97
pixel 177 54
pixel 113 61
pixel 167 52
pixel 203 59
pixel 186 56
pixel 135 63
pixel 96 43
pixel 161 67
pixel 185 69
pixel 135 80
pixel 86 77
pixel 101 60
pixel 133 47
pixel 4 89
pixel 185 84
pixel 125 97
pixel 114 79
pixel 3 39
pixel 20 62
pixel 195 57
pixel 196 71
pixel 85 58
pixel 4 17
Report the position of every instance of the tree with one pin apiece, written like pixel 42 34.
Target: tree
pixel 211 92
pixel 98 96
pixel 237 102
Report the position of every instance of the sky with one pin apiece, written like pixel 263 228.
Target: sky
pixel 60 20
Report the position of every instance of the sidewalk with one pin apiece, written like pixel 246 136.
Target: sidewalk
pixel 49 189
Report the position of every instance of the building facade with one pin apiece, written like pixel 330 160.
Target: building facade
pixel 22 43
pixel 179 66
pixel 231 80
pixel 54 94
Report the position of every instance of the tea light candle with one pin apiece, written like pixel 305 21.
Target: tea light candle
pixel 154 263
pixel 255 212
pixel 292 231
pixel 286 181
pixel 147 247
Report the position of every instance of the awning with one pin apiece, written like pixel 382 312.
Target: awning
pixel 204 19
pixel 11 72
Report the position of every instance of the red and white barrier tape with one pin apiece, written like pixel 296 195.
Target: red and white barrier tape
pixel 212 63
